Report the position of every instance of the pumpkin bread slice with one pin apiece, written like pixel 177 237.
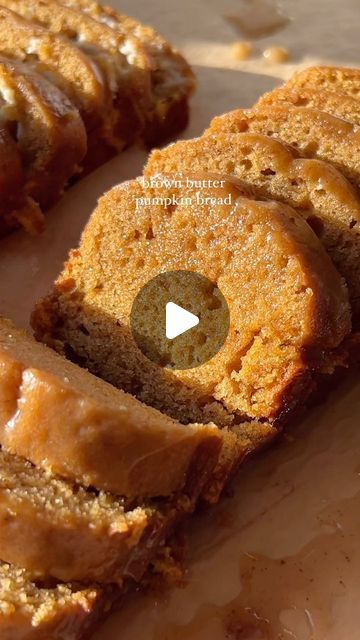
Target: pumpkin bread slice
pixel 327 78
pixel 49 131
pixel 30 611
pixel 314 133
pixel 172 80
pixel 65 420
pixel 315 189
pixel 288 305
pixel 337 104
pixel 55 529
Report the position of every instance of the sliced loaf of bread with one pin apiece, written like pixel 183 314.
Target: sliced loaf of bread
pixel 119 58
pixel 172 80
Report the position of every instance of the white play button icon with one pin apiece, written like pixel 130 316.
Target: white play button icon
pixel 178 320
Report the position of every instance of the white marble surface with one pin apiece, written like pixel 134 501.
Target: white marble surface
pixel 281 558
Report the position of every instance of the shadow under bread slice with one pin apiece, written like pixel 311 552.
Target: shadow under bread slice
pixel 172 80
pixel 337 104
pixel 314 188
pixel 16 208
pixel 63 419
pixel 288 305
pixel 48 129
pixel 340 79
pixel 119 57
pixel 31 611
pixel 316 134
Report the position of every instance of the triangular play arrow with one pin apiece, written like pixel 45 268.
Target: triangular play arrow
pixel 178 320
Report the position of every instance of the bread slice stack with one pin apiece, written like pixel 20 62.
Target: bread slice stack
pixel 107 467
pixel 77 87
pixel 113 479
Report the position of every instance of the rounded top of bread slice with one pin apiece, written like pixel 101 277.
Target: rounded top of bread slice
pixel 337 104
pixel 314 188
pixel 340 79
pixel 61 417
pixel 288 305
pixel 316 134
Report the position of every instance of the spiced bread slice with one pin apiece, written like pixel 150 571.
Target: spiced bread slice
pixel 172 80
pixel 328 78
pixel 338 104
pixel 322 196
pixel 48 129
pixel 58 530
pixel 314 133
pixel 31 611
pixel 65 420
pixel 288 305
pixel 119 57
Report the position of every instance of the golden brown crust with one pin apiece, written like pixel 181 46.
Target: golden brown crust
pixel 314 133
pixel 314 188
pixel 16 208
pixel 61 61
